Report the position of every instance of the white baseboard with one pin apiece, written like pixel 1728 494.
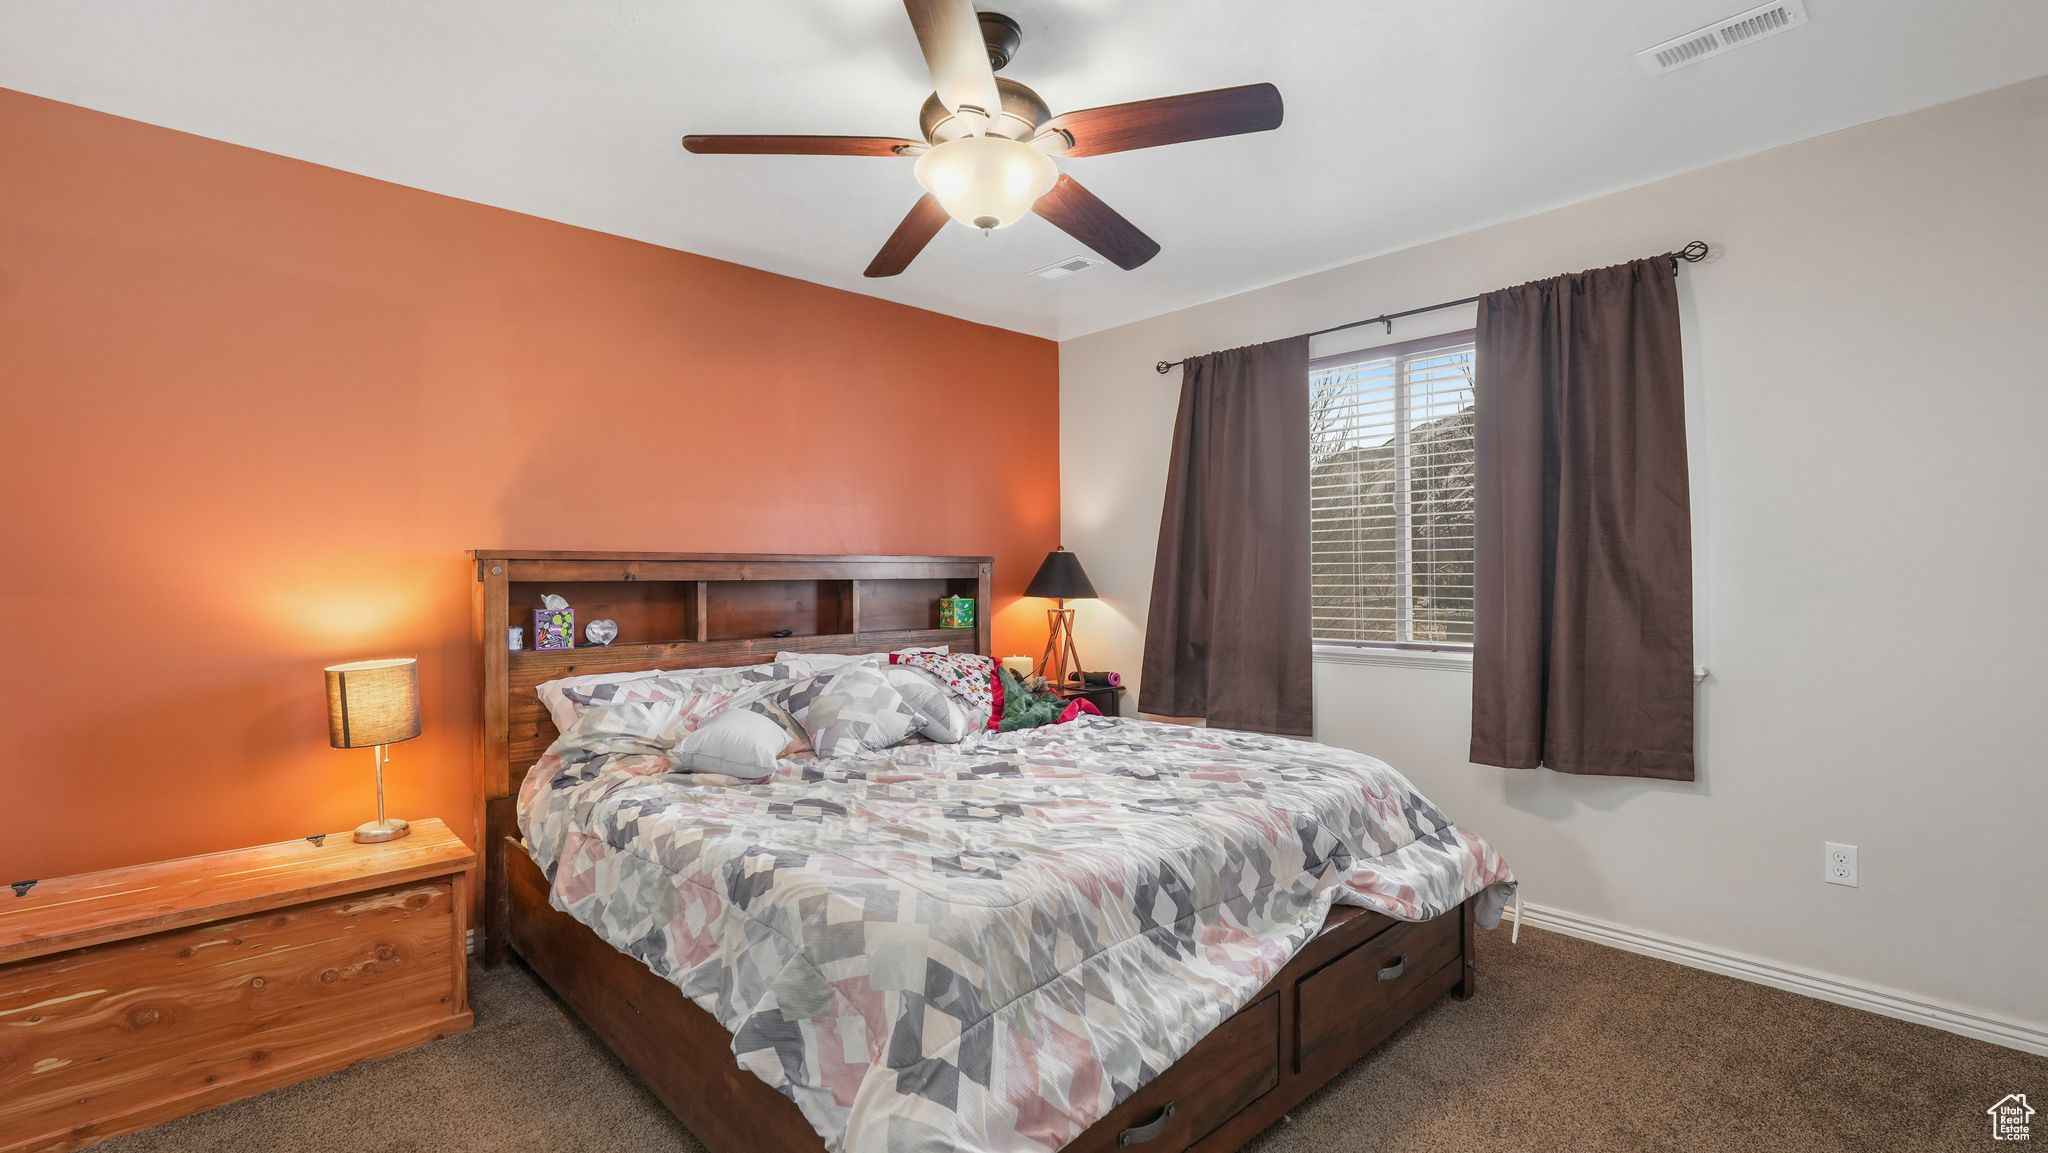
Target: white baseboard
pixel 470 940
pixel 2025 1036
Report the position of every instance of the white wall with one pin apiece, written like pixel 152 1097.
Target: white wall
pixel 1867 366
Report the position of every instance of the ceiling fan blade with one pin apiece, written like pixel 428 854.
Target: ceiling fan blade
pixel 1167 120
pixel 909 239
pixel 1077 212
pixel 949 32
pixel 800 145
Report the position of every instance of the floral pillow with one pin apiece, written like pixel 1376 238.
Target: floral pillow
pixel 969 676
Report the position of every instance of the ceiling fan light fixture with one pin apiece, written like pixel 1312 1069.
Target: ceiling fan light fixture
pixel 987 158
pixel 986 182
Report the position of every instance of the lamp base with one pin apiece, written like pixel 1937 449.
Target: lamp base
pixel 1061 663
pixel 373 832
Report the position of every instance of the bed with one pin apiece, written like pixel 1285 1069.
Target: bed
pixel 1101 935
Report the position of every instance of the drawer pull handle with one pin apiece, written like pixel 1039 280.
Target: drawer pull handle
pixel 1393 972
pixel 1139 1134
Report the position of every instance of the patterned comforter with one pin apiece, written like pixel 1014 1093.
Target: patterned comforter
pixel 986 946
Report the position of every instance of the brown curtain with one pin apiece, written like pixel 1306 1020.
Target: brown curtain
pixel 1582 645
pixel 1228 634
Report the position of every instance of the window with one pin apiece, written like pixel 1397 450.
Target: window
pixel 1390 494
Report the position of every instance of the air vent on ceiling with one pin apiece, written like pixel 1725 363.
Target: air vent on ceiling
pixel 1723 36
pixel 1065 268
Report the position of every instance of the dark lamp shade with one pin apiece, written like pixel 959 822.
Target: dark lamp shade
pixel 1061 578
pixel 373 703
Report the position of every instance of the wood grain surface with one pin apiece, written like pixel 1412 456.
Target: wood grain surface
pixel 63 913
pixel 137 995
pixel 103 1039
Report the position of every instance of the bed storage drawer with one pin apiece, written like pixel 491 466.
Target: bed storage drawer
pixel 1355 1001
pixel 1227 1070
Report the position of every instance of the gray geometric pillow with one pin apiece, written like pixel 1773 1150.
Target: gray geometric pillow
pixel 764 689
pixel 849 711
pixel 731 680
pixel 677 684
pixel 940 715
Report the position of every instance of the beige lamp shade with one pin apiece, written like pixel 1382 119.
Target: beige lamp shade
pixel 373 703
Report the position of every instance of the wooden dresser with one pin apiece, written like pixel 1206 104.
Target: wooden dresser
pixel 132 996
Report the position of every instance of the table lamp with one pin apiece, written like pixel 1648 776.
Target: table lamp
pixel 1061 579
pixel 371 704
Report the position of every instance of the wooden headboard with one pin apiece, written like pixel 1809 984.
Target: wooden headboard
pixel 681 611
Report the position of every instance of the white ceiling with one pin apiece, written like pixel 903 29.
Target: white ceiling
pixel 1406 120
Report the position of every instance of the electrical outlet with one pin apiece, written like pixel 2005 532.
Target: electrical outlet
pixel 1840 864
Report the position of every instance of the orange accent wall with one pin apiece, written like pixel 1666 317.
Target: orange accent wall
pixel 255 410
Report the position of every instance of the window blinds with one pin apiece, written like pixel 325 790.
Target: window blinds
pixel 1390 491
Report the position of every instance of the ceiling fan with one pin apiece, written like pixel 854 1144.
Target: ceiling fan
pixel 989 142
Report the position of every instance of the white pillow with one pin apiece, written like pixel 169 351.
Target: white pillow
pixel 737 743
pixel 567 697
pixel 940 715
pixel 811 664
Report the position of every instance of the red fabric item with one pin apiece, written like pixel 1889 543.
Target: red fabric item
pixel 995 685
pixel 1077 708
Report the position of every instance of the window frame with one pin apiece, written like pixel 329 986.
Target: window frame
pixel 1435 654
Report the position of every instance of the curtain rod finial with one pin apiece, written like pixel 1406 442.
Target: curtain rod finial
pixel 1693 252
pixel 1162 367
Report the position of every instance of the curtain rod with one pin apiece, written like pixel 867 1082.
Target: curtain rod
pixel 1692 253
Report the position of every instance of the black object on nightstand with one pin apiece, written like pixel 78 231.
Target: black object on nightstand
pixel 1107 699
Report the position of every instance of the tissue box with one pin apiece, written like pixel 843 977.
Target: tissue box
pixel 554 628
pixel 956 612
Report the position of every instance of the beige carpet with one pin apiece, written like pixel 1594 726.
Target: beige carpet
pixel 1569 1047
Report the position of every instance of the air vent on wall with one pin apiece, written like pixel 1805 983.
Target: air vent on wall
pixel 1065 268
pixel 1723 36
